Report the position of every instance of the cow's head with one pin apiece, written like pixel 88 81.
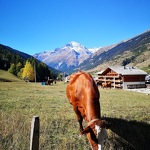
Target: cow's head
pixel 96 132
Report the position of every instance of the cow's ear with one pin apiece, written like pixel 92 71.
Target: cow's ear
pixel 86 130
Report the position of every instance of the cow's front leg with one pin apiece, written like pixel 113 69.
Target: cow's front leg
pixel 79 117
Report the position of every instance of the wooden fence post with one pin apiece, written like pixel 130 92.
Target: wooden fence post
pixel 34 138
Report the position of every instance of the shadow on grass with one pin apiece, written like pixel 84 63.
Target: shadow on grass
pixel 127 135
pixel 4 80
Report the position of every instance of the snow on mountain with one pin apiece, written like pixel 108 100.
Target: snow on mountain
pixel 77 47
pixel 69 56
pixel 93 50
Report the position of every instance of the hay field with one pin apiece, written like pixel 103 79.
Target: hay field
pixel 20 101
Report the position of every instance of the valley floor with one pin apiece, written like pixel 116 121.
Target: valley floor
pixel 141 90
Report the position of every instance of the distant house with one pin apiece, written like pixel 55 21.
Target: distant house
pixel 67 78
pixel 123 77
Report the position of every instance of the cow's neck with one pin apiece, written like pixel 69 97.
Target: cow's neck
pixel 93 112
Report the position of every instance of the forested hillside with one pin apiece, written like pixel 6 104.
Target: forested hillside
pixel 134 51
pixel 24 65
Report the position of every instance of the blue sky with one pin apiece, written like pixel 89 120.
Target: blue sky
pixel 33 26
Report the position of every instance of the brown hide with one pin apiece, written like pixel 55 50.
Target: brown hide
pixel 83 94
pixel 50 81
pixel 106 85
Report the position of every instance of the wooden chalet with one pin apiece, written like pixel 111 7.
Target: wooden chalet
pixel 123 77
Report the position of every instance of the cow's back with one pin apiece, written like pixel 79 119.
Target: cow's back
pixel 81 83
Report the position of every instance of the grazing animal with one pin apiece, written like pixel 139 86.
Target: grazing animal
pixel 50 81
pixel 106 85
pixel 83 94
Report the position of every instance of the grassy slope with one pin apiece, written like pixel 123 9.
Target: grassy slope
pixel 8 77
pixel 19 101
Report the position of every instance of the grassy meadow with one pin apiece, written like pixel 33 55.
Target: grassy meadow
pixel 128 111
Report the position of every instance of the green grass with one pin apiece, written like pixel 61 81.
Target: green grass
pixel 8 77
pixel 147 69
pixel 20 101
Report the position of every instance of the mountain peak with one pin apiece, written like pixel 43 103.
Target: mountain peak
pixel 75 46
pixel 67 57
pixel 73 43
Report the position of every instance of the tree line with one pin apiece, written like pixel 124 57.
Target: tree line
pixel 30 70
pixel 22 67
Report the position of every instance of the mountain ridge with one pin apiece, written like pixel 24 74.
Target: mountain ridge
pixel 66 58
pixel 74 56
pixel 71 60
pixel 127 52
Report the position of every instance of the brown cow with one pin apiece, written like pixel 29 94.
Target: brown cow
pixel 106 85
pixel 50 81
pixel 83 94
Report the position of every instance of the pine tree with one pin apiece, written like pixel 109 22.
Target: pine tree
pixel 28 71
pixel 12 69
pixel 19 67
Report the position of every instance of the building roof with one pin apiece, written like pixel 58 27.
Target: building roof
pixel 124 70
pixel 100 72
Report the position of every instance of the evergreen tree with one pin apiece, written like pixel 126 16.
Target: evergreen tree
pixel 19 67
pixel 43 72
pixel 12 69
pixel 19 74
pixel 28 71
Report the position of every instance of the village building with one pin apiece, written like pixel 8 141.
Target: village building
pixel 123 77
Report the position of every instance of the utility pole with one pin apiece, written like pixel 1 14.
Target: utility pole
pixel 35 72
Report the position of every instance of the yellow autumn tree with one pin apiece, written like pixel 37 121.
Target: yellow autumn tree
pixel 28 71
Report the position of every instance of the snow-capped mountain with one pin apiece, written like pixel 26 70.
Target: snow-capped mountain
pixel 66 58
pixel 93 50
